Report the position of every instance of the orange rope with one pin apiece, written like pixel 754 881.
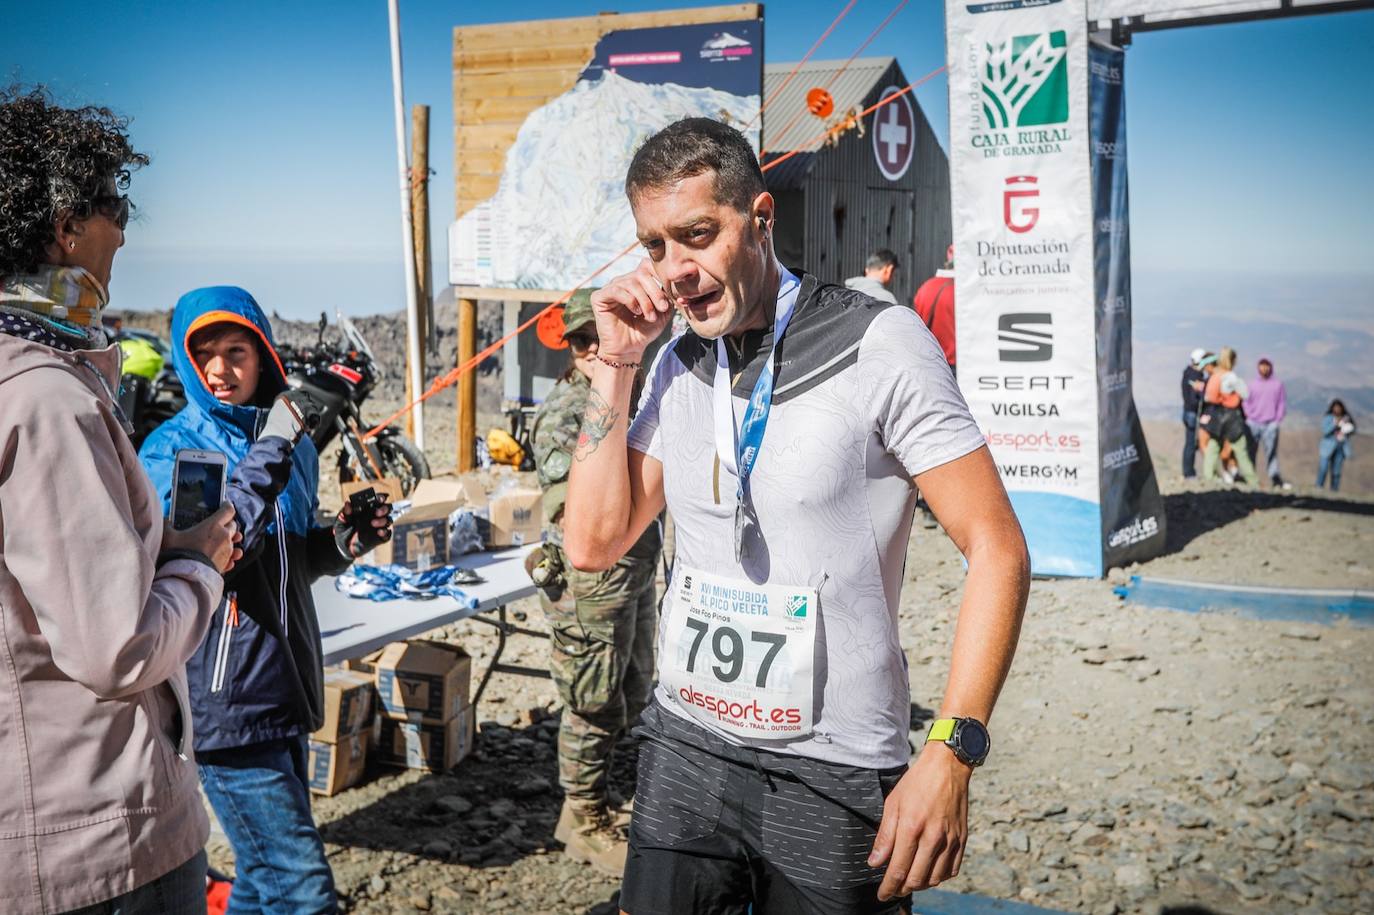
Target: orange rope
pixel 452 377
pixel 867 111
pixel 867 41
pixel 778 137
pixel 783 85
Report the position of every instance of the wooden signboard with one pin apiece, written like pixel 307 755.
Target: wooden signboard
pixel 503 72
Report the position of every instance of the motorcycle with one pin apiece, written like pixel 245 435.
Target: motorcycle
pixel 340 376
pixel 149 402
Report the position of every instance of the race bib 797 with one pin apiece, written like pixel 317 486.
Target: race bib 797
pixel 739 656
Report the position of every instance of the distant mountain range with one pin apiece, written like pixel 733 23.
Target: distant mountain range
pixel 1317 330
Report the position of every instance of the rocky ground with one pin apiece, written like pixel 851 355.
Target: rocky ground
pixel 1142 758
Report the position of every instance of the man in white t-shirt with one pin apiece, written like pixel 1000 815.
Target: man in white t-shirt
pixel 786 431
pixel 876 280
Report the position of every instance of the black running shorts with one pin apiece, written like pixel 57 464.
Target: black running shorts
pixel 726 830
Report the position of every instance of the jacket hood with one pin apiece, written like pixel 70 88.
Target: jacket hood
pixel 211 425
pixel 215 305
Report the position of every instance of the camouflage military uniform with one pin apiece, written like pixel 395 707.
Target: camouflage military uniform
pixel 602 651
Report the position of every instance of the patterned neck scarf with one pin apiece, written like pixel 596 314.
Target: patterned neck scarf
pixel 28 326
pixel 66 300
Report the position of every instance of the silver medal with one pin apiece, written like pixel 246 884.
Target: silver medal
pixel 740 522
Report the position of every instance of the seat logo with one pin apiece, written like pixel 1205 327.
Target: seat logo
pixel 1021 338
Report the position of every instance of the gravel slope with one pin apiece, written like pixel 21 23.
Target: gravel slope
pixel 1141 758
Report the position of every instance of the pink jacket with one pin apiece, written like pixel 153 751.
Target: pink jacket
pixel 100 793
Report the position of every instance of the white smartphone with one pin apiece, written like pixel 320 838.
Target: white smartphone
pixel 197 486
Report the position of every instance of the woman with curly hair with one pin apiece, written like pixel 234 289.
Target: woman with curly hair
pixel 100 606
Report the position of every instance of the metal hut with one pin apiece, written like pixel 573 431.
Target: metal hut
pixel 882 183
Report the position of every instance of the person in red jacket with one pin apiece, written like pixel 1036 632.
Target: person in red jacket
pixel 934 304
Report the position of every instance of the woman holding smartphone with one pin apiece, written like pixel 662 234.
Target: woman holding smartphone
pixel 100 604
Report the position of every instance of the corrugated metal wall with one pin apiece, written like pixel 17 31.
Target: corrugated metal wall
pixel 851 208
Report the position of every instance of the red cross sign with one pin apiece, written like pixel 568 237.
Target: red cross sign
pixel 894 135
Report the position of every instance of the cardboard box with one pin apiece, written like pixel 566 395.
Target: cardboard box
pixel 336 766
pixel 419 538
pixel 458 492
pixel 389 485
pixel 366 664
pixel 517 517
pixel 462 496
pixel 436 747
pixel 347 704
pixel 423 681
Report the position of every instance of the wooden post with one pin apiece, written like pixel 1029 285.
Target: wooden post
pixel 467 386
pixel 419 219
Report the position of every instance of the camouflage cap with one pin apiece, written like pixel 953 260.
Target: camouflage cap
pixel 577 312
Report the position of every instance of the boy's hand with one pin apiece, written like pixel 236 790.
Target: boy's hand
pixel 359 536
pixel 293 414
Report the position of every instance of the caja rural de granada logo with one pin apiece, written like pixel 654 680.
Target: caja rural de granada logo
pixel 1021 106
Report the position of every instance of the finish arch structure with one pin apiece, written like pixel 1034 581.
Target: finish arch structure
pixel 1041 220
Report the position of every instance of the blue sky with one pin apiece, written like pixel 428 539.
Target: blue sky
pixel 270 127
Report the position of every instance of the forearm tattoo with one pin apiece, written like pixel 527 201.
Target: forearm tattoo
pixel 597 422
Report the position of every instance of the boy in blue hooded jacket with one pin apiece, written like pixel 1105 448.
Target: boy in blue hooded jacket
pixel 257 680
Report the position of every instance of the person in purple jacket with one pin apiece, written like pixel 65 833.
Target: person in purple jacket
pixel 1264 411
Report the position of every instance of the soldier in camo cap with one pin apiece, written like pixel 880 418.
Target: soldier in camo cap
pixel 603 623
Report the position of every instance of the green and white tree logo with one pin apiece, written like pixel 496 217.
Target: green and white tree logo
pixel 1026 81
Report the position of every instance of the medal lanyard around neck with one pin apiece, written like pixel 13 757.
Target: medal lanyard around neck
pixel 739 453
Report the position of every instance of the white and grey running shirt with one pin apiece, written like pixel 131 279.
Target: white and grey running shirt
pixel 863 401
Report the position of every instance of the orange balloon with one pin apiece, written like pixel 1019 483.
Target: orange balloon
pixel 821 103
pixel 549 329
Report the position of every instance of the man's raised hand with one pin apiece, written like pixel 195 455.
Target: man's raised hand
pixel 631 312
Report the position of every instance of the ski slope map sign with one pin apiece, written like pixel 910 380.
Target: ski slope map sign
pixel 560 210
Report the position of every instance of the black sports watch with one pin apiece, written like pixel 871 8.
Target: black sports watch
pixel 967 737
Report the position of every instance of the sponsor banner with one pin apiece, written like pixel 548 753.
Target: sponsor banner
pixel 559 211
pixel 1023 237
pixel 1132 510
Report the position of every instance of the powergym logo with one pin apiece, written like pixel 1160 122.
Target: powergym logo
pixel 1021 339
pixel 1023 83
pixel 1138 530
pixel 796 606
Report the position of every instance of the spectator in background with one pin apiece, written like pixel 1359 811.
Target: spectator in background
pixel 1194 381
pixel 876 282
pixel 1225 392
pixel 1337 428
pixel 935 305
pixel 601 641
pixel 1264 410
pixel 100 604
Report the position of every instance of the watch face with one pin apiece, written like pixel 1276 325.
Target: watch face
pixel 973 740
